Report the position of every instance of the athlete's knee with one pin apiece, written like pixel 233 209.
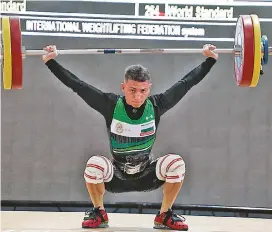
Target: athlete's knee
pixel 98 169
pixel 170 168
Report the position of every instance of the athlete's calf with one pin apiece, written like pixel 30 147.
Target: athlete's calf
pixel 99 169
pixel 171 169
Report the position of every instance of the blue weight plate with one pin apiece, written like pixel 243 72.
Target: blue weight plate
pixel 265 46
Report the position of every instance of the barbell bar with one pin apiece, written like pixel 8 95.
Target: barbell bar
pixel 127 51
pixel 235 51
pixel 250 51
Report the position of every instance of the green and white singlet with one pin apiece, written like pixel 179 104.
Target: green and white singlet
pixel 132 137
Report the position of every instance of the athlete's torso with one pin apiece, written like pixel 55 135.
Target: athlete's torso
pixel 131 140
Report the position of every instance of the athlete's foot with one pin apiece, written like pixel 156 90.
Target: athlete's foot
pixel 169 220
pixel 95 218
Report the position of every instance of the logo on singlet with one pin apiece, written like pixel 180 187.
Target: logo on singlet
pixel 119 128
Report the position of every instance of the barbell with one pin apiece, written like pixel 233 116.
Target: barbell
pixel 250 51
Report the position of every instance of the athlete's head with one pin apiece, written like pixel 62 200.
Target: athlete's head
pixel 137 84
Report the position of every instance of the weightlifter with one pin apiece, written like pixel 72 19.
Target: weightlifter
pixel 132 120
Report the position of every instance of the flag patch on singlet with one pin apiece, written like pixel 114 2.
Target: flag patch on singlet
pixel 147 129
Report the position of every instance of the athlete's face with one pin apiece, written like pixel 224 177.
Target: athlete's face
pixel 136 92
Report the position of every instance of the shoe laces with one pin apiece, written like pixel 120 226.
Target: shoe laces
pixel 92 213
pixel 175 217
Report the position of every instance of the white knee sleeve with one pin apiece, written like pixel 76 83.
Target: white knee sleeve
pixel 98 169
pixel 170 168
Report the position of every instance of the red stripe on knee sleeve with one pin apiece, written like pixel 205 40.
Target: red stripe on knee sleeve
pixel 95 166
pixel 109 169
pixel 90 177
pixel 172 162
pixel 172 177
pixel 160 167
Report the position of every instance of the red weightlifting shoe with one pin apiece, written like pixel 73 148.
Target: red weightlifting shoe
pixel 169 220
pixel 95 218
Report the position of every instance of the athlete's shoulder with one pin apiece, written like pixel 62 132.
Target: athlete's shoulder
pixel 109 106
pixel 155 99
pixel 112 98
pixel 160 103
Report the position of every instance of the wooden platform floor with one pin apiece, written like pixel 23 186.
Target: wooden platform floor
pixel 24 221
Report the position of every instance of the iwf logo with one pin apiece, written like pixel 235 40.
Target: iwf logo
pixel 13 5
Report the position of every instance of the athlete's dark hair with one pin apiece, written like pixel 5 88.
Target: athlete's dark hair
pixel 137 73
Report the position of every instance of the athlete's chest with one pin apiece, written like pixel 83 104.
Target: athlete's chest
pixel 140 129
pixel 124 125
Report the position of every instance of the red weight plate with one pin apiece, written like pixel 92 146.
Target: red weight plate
pixel 244 62
pixel 16 51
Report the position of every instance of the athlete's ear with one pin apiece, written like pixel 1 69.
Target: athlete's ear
pixel 123 86
pixel 150 85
